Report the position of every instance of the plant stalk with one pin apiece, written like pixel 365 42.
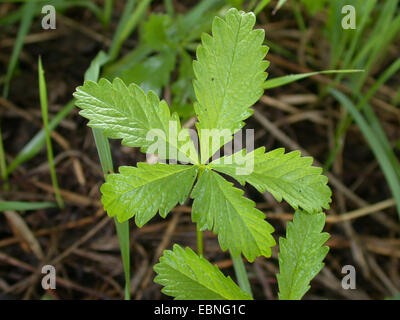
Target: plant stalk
pixel 199 241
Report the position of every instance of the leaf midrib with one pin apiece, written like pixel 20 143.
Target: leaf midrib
pixel 157 179
pixel 298 260
pixel 198 282
pixel 229 73
pixel 227 198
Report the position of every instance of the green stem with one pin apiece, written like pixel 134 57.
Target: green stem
pixel 127 25
pixel 27 17
pixel 199 242
pixel 241 274
pixel 199 233
pixel 299 17
pixel 107 12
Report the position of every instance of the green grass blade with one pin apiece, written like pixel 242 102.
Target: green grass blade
pixel 50 157
pixel 281 81
pixel 338 37
pixel 104 151
pixel 279 5
pixel 34 146
pixel 28 13
pixel 91 5
pixel 12 17
pixel 107 12
pixel 282 51
pixel 384 31
pixel 386 75
pixel 123 237
pixel 299 17
pixel 169 7
pixel 127 25
pixel 380 133
pixel 375 144
pixel 116 41
pixel 260 6
pixel 25 206
pixel 369 6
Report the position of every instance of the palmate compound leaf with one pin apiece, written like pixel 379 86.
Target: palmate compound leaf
pixel 229 76
pixel 301 254
pixel 220 207
pixel 286 176
pixel 144 190
pixel 186 276
pixel 140 120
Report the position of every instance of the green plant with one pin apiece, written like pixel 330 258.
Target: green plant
pixel 229 79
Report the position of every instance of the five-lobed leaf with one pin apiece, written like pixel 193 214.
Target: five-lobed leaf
pixel 140 120
pixel 220 207
pixel 142 191
pixel 229 76
pixel 186 276
pixel 285 175
pixel 301 254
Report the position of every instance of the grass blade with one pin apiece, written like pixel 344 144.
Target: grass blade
pixel 107 12
pixel 44 107
pixel 28 13
pixel 381 135
pixel 25 206
pixel 260 6
pixel 127 24
pixel 281 81
pixel 279 5
pixel 123 237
